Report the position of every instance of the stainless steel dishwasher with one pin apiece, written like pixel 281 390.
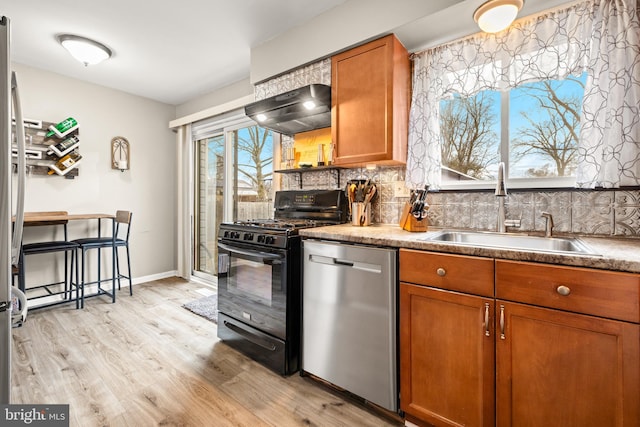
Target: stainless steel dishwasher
pixel 349 319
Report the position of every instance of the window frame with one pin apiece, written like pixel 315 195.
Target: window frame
pixel 517 183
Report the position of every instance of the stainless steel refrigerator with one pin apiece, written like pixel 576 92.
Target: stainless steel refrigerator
pixel 10 201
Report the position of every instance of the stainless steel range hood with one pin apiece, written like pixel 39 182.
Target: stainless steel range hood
pixel 299 110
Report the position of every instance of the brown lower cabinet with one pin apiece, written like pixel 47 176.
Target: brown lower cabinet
pixel 565 369
pixel 475 360
pixel 446 360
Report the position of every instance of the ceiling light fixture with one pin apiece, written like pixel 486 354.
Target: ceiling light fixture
pixel 496 15
pixel 85 50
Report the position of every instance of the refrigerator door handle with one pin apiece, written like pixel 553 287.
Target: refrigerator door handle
pixel 18 307
pixel 16 242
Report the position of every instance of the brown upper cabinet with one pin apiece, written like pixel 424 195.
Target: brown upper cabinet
pixel 370 103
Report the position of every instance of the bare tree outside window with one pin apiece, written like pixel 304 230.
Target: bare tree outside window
pixel 470 141
pixel 255 159
pixel 541 132
pixel 546 139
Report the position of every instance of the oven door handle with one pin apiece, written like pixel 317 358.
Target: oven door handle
pixel 263 257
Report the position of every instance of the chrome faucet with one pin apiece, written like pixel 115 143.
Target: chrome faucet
pixel 548 225
pixel 501 194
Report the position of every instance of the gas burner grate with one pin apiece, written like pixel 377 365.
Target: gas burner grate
pixel 286 224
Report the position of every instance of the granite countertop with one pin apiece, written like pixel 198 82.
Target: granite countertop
pixel 617 254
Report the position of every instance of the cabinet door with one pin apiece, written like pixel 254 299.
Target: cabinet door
pixel 370 103
pixel 446 357
pixel 564 369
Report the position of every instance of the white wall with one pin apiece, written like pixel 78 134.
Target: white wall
pixel 148 189
pixel 221 96
pixel 346 25
pixel 417 24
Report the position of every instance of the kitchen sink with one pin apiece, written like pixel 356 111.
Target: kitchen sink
pixel 513 241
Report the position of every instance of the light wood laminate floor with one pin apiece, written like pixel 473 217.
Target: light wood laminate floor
pixel 146 361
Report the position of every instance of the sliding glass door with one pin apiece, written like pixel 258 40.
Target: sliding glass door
pixel 233 181
pixel 254 173
pixel 209 202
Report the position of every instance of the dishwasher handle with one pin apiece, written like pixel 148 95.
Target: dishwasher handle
pixel 342 262
pixel 372 268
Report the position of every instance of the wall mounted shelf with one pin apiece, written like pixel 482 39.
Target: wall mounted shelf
pixel 334 170
pixel 40 152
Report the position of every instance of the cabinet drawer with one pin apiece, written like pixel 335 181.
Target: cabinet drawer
pixel 581 290
pixel 461 273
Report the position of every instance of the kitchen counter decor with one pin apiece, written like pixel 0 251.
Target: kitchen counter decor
pixel 414 214
pixel 360 194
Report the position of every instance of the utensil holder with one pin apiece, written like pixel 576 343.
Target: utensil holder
pixel 360 214
pixel 410 223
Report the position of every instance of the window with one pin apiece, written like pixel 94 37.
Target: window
pixel 532 128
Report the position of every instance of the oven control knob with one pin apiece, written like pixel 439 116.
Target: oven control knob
pixel 269 240
pixel 248 236
pixel 235 235
pixel 261 238
pixel 226 234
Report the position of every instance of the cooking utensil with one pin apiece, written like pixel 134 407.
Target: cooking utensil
pixel 371 191
pixel 351 195
pixel 418 204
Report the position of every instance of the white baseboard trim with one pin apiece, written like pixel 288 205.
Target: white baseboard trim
pixel 152 277
pixel 90 289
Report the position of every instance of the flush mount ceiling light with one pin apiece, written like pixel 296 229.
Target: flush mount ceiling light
pixel 496 15
pixel 84 50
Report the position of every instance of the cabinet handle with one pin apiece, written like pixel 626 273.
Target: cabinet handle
pixel 486 319
pixel 441 272
pixel 563 290
pixel 502 337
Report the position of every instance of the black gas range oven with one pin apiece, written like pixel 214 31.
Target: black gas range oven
pixel 259 276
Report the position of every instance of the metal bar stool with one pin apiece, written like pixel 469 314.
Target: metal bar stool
pixel 120 239
pixel 50 289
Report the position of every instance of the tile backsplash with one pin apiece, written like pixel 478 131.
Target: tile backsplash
pixel 584 212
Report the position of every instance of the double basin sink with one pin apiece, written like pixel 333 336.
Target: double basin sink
pixel 563 245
